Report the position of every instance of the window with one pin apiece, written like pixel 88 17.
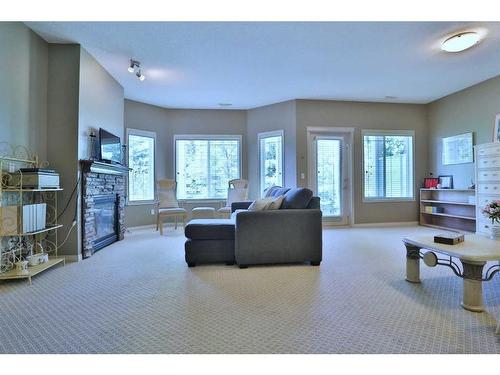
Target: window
pixel 141 159
pixel 388 165
pixel 271 159
pixel 204 165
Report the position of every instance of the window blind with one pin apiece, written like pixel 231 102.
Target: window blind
pixel 388 166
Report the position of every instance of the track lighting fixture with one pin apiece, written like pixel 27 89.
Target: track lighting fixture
pixel 135 67
pixel 139 75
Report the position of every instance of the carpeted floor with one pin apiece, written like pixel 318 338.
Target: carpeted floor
pixel 138 296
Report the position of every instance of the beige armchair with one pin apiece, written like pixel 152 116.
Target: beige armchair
pixel 237 192
pixel 167 205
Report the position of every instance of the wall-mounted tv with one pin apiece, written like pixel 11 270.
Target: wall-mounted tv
pixel 111 148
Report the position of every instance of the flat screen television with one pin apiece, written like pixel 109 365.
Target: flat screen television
pixel 111 148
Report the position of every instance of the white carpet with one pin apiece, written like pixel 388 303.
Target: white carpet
pixel 138 296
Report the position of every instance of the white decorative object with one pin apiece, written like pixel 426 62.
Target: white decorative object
pixel 22 267
pixel 487 183
pixel 495 233
pixel 457 149
pixel 33 260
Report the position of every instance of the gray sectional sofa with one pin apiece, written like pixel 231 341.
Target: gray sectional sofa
pixel 292 234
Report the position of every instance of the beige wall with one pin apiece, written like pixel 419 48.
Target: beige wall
pixel 168 122
pixel 359 115
pixel 23 88
pixel 280 116
pixel 100 102
pixel 62 131
pixel 469 110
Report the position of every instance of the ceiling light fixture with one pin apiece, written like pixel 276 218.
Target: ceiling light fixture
pixel 139 75
pixel 225 104
pixel 135 67
pixel 461 42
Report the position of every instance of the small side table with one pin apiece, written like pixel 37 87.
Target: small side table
pixel 203 213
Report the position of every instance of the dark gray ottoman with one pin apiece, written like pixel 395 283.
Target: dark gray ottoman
pixel 209 241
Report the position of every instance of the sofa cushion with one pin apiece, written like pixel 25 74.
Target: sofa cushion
pixel 210 229
pixel 297 199
pixel 280 191
pixel 269 192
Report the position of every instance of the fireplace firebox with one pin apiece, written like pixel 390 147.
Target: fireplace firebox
pixel 105 220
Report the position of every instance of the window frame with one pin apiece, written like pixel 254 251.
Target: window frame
pixel 207 137
pixel 368 132
pixel 148 134
pixel 270 134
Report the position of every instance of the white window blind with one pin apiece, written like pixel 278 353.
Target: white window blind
pixel 388 165
pixel 271 159
pixel 141 159
pixel 205 165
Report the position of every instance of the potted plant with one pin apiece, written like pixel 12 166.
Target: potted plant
pixel 492 212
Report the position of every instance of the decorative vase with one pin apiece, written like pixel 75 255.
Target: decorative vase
pixel 495 233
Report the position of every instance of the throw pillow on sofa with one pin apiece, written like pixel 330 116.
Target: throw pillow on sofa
pixel 269 203
pixel 297 199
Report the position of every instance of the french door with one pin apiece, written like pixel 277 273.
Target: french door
pixel 329 174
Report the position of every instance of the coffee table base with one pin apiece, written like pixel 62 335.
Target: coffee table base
pixel 473 286
pixel 472 299
pixel 412 264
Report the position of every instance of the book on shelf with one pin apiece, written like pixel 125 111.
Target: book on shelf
pixel 22 219
pixel 433 210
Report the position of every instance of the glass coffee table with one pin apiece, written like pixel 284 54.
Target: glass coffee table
pixel 473 255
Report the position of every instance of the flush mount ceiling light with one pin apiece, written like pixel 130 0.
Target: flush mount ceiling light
pixel 460 42
pixel 135 67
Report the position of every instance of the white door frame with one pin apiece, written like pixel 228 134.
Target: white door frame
pixel 348 132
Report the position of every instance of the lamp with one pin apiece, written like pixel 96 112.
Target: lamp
pixel 135 67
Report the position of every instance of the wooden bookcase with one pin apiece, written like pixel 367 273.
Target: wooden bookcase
pixel 459 210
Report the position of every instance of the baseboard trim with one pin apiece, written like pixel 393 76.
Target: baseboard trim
pixel 388 224
pixel 141 227
pixel 152 226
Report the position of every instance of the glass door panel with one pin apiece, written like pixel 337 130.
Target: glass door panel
pixel 329 175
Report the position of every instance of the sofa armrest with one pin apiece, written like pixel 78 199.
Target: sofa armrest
pixel 240 205
pixel 278 236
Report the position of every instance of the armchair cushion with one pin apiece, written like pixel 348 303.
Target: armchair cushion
pixel 167 199
pixel 172 211
pixel 297 199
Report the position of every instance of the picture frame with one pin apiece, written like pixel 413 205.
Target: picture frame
pixel 458 149
pixel 446 181
pixel 431 182
pixel 496 129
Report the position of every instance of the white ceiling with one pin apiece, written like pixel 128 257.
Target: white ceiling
pixel 250 64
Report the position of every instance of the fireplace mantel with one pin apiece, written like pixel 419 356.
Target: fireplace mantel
pixel 106 168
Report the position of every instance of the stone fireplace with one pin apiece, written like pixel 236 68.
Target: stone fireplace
pixel 103 205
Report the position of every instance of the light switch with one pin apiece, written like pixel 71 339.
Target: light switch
pixel 302 176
